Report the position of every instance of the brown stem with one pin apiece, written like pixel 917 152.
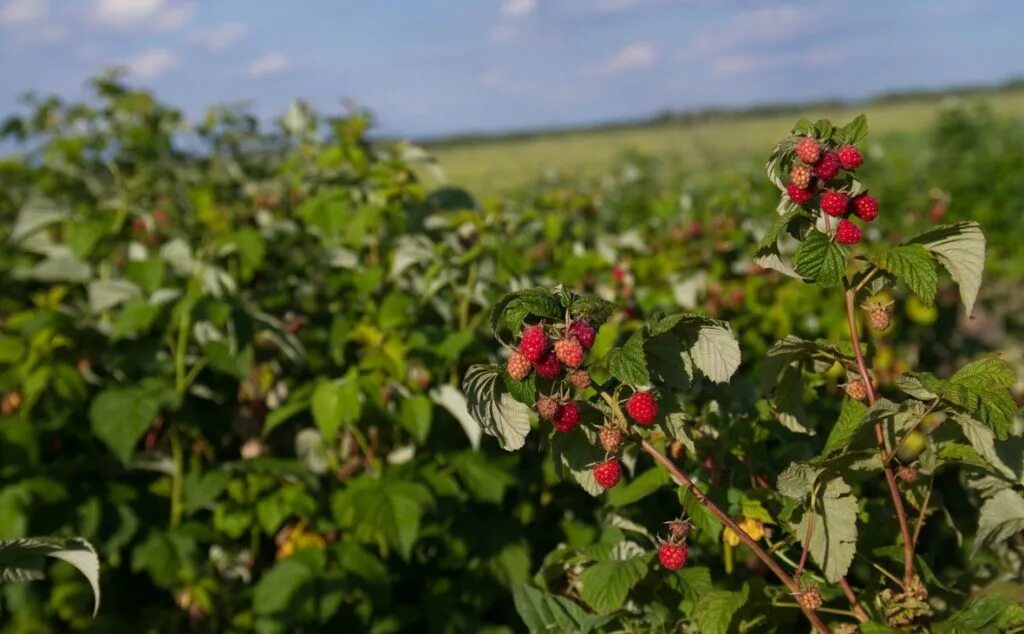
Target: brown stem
pixel 924 509
pixel 768 560
pixel 807 543
pixel 890 478
pixel 858 611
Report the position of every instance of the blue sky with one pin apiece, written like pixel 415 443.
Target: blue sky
pixel 434 67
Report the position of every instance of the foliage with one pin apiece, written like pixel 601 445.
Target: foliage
pixel 233 359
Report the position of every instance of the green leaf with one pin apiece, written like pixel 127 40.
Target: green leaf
pixel 484 477
pixel 820 260
pixel 201 491
pixel 524 391
pixel 834 536
pixel 1004 614
pixel 578 452
pixel 716 352
pixel 547 613
pixel 638 488
pixel 24 560
pixel 591 309
pixel 450 398
pixel 715 610
pixel 983 389
pixel 960 248
pixel 913 264
pixel 850 419
pixel 513 308
pixel 628 363
pixel 415 415
pixel 956 452
pixel 797 480
pixel 983 441
pixel 778 227
pixel 1002 517
pixel 854 132
pixel 493 407
pixel 275 592
pixel 606 584
pixel 335 405
pixel 383 511
pixel 121 415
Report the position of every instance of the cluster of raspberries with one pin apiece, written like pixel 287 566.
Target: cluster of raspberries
pixel 557 353
pixel 820 164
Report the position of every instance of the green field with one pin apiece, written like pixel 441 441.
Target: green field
pixel 488 166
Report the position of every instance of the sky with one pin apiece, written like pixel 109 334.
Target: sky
pixel 436 67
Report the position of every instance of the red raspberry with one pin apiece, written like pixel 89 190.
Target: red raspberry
pixel 850 158
pixel 828 167
pixel 569 352
pixel 798 195
pixel 672 556
pixel 809 599
pixel 607 473
pixel 547 407
pixel 808 149
pixel 833 203
pixel 611 438
pixel 580 378
pixel 642 408
pixel 518 366
pixel 584 333
pixel 848 233
pixel 567 417
pixel 549 366
pixel 534 343
pixel 866 207
pixel 801 176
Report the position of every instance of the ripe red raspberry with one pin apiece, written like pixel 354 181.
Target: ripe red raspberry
pixel 833 203
pixel 584 333
pixel 672 556
pixel 808 149
pixel 849 157
pixel 865 207
pixel 801 176
pixel 534 343
pixel 828 166
pixel 798 195
pixel 549 366
pixel 611 438
pixel 518 366
pixel 642 408
pixel 848 233
pixel 809 599
pixel 569 352
pixel 567 417
pixel 547 407
pixel 607 473
pixel 580 378
pixel 856 390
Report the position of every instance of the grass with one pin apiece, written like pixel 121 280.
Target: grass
pixel 491 166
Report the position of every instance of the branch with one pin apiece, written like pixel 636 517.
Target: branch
pixel 890 478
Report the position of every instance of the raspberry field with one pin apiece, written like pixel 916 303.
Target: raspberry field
pixel 289 377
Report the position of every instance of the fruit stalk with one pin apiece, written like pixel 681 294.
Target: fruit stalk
pixel 704 501
pixel 890 477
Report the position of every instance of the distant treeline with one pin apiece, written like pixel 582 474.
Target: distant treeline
pixel 694 116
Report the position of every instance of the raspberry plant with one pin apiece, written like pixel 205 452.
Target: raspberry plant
pixel 654 401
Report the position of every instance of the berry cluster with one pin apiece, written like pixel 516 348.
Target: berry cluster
pixel 557 352
pixel 816 172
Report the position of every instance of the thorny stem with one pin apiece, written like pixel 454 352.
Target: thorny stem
pixel 858 611
pixel 890 478
pixel 704 501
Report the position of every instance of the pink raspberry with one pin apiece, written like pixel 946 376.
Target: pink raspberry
pixel 584 333
pixel 518 366
pixel 534 343
pixel 548 366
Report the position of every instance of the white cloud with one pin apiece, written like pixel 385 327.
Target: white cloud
pixel 269 65
pixel 760 26
pixel 152 63
pixel 159 14
pixel 633 57
pixel 812 58
pixel 219 38
pixel 21 11
pixel 518 8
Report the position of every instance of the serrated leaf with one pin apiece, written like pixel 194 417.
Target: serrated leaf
pixel 23 560
pixel 854 132
pixel 912 264
pixel 715 611
pixel 120 416
pixel 493 407
pixel 1001 517
pixel 960 249
pixel 335 405
pixel 850 420
pixel 606 584
pixel 820 260
pixel 788 400
pixel 983 441
pixel 532 301
pixel 547 613
pixel 383 510
pixel 628 363
pixel 956 452
pixel 577 452
pixel 983 389
pixel 1004 614
pixel 716 353
pixel 834 536
pixel 778 227
pixel 797 480
pixel 524 391
pixel 591 309
pixel 638 488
